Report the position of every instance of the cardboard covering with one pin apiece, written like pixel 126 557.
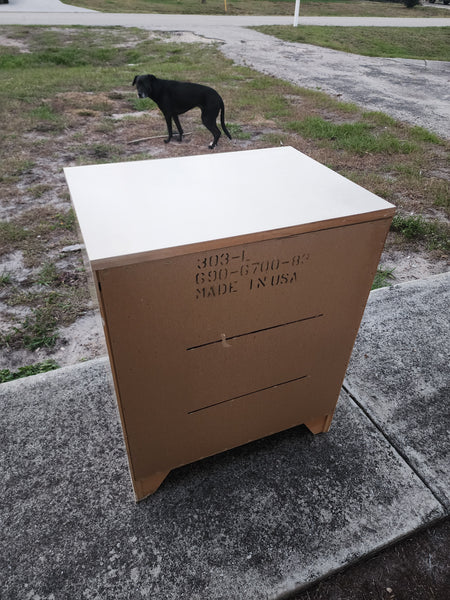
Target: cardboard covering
pixel 222 329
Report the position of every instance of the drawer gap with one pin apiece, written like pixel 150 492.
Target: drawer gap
pixel 233 337
pixel 269 387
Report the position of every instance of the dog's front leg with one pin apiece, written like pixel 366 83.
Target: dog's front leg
pixel 168 118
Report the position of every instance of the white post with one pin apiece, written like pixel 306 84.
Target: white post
pixel 297 10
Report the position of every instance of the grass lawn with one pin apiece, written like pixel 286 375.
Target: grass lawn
pixel 66 99
pixel 262 7
pixel 400 42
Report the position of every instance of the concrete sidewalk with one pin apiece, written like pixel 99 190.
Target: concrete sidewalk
pixel 257 522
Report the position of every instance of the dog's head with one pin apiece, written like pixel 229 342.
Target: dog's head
pixel 143 85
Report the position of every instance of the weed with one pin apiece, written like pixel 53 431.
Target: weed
pixel 20 297
pixel 237 132
pixel 44 118
pixel 27 370
pixel 415 227
pixel 142 104
pixel 382 278
pixel 51 310
pixel 39 330
pixel 37 191
pixel 65 220
pixel 47 275
pixel 15 167
pixel 11 233
pixel 102 152
pixel 44 112
pixel 5 279
pixel 412 227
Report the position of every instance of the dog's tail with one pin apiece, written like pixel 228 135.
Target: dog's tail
pixel 222 121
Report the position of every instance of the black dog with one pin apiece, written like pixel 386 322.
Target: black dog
pixel 177 97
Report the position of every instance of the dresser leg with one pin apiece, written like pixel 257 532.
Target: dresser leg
pixel 319 424
pixel 148 485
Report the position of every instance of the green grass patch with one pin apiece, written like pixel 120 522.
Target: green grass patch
pixel 33 232
pixel 13 167
pixel 423 135
pixel 141 104
pixel 37 191
pixel 98 153
pixel 237 132
pixel 357 137
pixel 379 118
pixel 44 112
pixel 51 310
pixel 44 118
pixel 48 274
pixel 415 227
pixel 65 220
pixel 39 330
pixel 425 43
pixel 11 233
pixel 71 56
pixel 74 56
pixel 27 370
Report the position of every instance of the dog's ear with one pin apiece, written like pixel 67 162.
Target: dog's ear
pixel 135 79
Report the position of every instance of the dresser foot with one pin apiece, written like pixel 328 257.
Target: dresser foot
pixel 319 424
pixel 148 485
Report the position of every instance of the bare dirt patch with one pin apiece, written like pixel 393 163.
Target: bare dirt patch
pixel 13 43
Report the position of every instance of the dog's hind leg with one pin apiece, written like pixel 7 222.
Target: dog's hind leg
pixel 209 121
pixel 176 120
pixel 168 118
